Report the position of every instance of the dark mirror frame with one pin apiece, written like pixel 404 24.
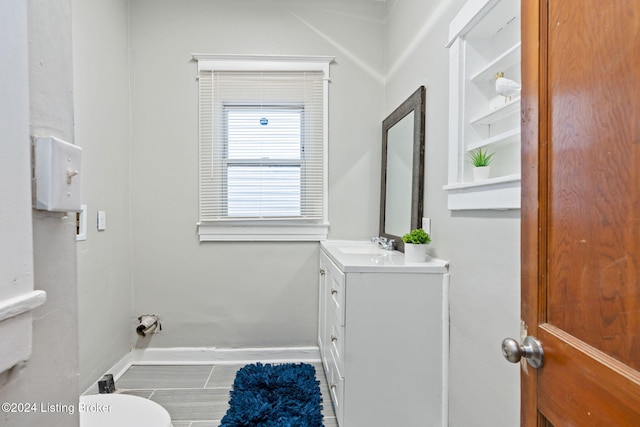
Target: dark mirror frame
pixel 415 103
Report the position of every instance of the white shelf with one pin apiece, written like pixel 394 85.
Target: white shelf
pixel 505 61
pixel 496 193
pixel 507 109
pixel 484 39
pixel 486 183
pixel 509 137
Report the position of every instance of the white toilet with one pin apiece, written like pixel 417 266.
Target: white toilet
pixel 121 410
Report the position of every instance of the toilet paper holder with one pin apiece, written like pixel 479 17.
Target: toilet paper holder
pixel 149 324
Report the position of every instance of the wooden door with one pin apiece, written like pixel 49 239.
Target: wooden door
pixel 581 211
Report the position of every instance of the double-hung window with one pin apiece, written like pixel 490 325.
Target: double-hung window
pixel 263 147
pixel 263 161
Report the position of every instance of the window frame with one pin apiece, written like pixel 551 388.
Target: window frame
pixel 269 229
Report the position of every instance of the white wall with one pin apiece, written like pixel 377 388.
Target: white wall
pixel 482 246
pixel 51 374
pixel 101 99
pixel 236 294
pixel 242 294
pixel 16 251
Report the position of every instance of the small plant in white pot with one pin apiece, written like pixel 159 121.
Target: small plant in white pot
pixel 480 159
pixel 415 245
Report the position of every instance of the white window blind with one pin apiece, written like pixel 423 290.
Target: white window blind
pixel 263 150
pixel 263 163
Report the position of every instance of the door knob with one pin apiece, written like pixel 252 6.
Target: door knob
pixel 531 350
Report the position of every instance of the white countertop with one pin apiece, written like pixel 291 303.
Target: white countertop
pixel 362 256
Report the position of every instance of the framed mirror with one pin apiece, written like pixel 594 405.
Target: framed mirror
pixel 402 187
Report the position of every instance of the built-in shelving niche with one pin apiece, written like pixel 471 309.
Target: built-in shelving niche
pixel 484 39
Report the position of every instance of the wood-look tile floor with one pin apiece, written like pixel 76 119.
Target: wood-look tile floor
pixel 198 395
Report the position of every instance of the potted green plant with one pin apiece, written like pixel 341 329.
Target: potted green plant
pixel 480 159
pixel 415 245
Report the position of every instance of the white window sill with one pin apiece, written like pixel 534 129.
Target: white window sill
pixel 241 231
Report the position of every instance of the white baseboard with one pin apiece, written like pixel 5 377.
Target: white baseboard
pixel 208 355
pixel 211 355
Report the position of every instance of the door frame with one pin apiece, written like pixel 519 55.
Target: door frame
pixel 534 184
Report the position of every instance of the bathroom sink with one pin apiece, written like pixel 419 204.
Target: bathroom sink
pixel 361 248
pixel 364 250
pixel 364 256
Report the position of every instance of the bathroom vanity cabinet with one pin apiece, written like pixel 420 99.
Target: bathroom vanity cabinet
pixel 383 334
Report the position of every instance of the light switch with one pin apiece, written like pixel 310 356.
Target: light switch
pixel 426 225
pixel 102 220
pixel 57 175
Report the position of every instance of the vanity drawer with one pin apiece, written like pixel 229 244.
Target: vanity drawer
pixel 335 288
pixel 336 388
pixel 336 341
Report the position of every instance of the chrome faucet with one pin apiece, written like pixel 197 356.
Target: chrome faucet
pixel 383 243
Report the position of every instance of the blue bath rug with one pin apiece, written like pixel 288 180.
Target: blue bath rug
pixel 286 395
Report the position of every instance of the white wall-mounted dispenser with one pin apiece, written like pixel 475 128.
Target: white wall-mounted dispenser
pixel 57 175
